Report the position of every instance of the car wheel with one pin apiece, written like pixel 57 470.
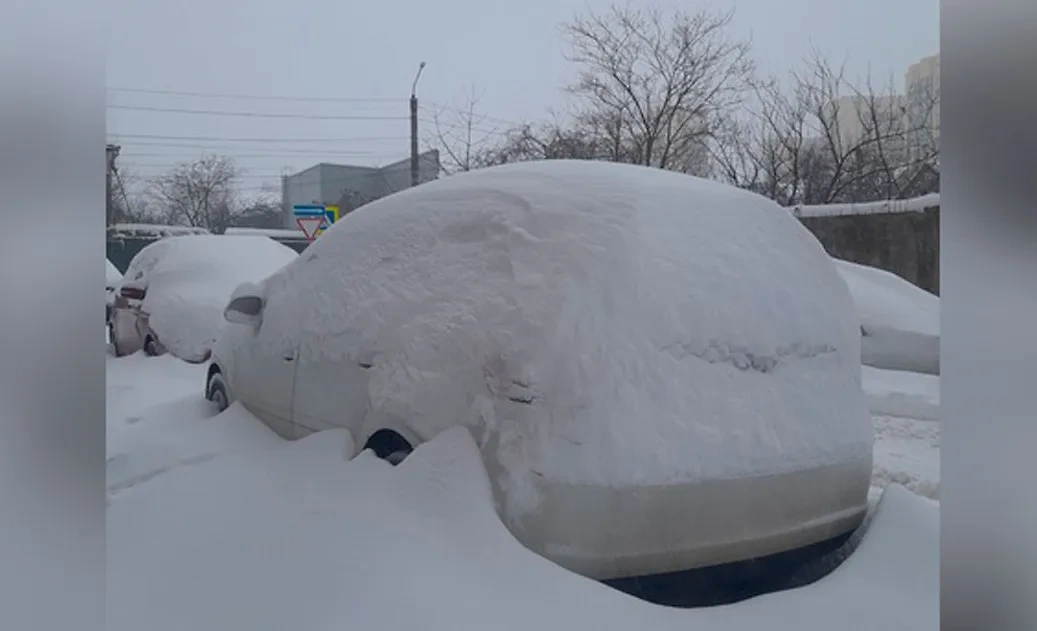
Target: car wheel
pixel 151 348
pixel 216 391
pixel 389 446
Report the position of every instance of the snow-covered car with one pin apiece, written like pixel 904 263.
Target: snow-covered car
pixel 112 279
pixel 662 372
pixel 172 296
pixel 899 321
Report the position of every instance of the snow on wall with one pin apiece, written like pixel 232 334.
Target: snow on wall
pixel 591 322
pixel 147 229
pixel 273 233
pixel 884 207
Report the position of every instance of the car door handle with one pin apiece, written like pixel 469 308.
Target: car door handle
pixel 288 358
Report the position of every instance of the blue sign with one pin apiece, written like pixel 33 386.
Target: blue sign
pixel 308 210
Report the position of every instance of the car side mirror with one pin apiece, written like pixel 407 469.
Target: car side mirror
pixel 245 306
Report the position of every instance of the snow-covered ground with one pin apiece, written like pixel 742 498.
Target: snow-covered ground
pixel 216 523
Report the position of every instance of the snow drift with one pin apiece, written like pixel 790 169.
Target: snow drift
pixel 590 323
pixel 900 322
pixel 292 536
pixel 189 280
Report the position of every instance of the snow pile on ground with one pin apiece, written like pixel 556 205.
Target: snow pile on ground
pixel 189 280
pixel 902 394
pixel 113 276
pixel 900 322
pixel 906 413
pixel 275 535
pixel 591 323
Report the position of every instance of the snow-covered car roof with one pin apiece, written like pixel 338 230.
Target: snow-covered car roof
pixel 591 322
pixel 887 301
pixel 190 278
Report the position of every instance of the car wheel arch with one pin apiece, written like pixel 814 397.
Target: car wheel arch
pixel 376 437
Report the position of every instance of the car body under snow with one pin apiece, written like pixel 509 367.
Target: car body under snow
pixel 661 372
pixel 900 322
pixel 174 291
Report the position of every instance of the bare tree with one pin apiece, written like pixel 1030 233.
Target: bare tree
pixel 462 136
pixel 666 83
pixel 823 139
pixel 263 211
pixel 199 194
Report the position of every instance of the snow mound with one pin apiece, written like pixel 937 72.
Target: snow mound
pixel 113 275
pixel 189 280
pixel 293 536
pixel 590 323
pixel 902 394
pixel 900 322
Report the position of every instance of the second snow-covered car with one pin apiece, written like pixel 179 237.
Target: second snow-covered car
pixel 174 290
pixel 662 372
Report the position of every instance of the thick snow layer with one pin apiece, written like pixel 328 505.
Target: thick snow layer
pixel 900 322
pixel 887 301
pixel 113 275
pixel 590 322
pixel 884 207
pixel 235 529
pixel 189 280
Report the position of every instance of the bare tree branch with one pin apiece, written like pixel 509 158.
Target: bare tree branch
pixel 667 81
pixel 199 194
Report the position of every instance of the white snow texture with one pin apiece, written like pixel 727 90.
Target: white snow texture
pixel 590 323
pixel 189 280
pixel 900 321
pixel 271 536
pixel 112 275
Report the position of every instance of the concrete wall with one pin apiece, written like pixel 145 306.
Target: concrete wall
pixel 906 244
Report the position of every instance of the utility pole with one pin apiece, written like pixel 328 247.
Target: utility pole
pixel 414 127
pixel 111 152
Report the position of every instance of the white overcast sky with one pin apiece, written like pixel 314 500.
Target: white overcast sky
pixel 511 51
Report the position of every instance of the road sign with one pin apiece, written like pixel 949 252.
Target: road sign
pixel 307 213
pixel 330 217
pixel 310 225
pixel 308 210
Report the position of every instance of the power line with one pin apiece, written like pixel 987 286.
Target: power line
pixel 284 156
pixel 314 99
pixel 256 97
pixel 176 110
pixel 228 139
pixel 273 148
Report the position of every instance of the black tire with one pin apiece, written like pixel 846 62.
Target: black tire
pixel 151 348
pixel 216 391
pixel 397 457
pixel 389 445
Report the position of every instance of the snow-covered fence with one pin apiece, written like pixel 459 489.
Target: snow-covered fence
pixel 884 207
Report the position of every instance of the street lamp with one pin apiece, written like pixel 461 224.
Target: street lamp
pixel 414 127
